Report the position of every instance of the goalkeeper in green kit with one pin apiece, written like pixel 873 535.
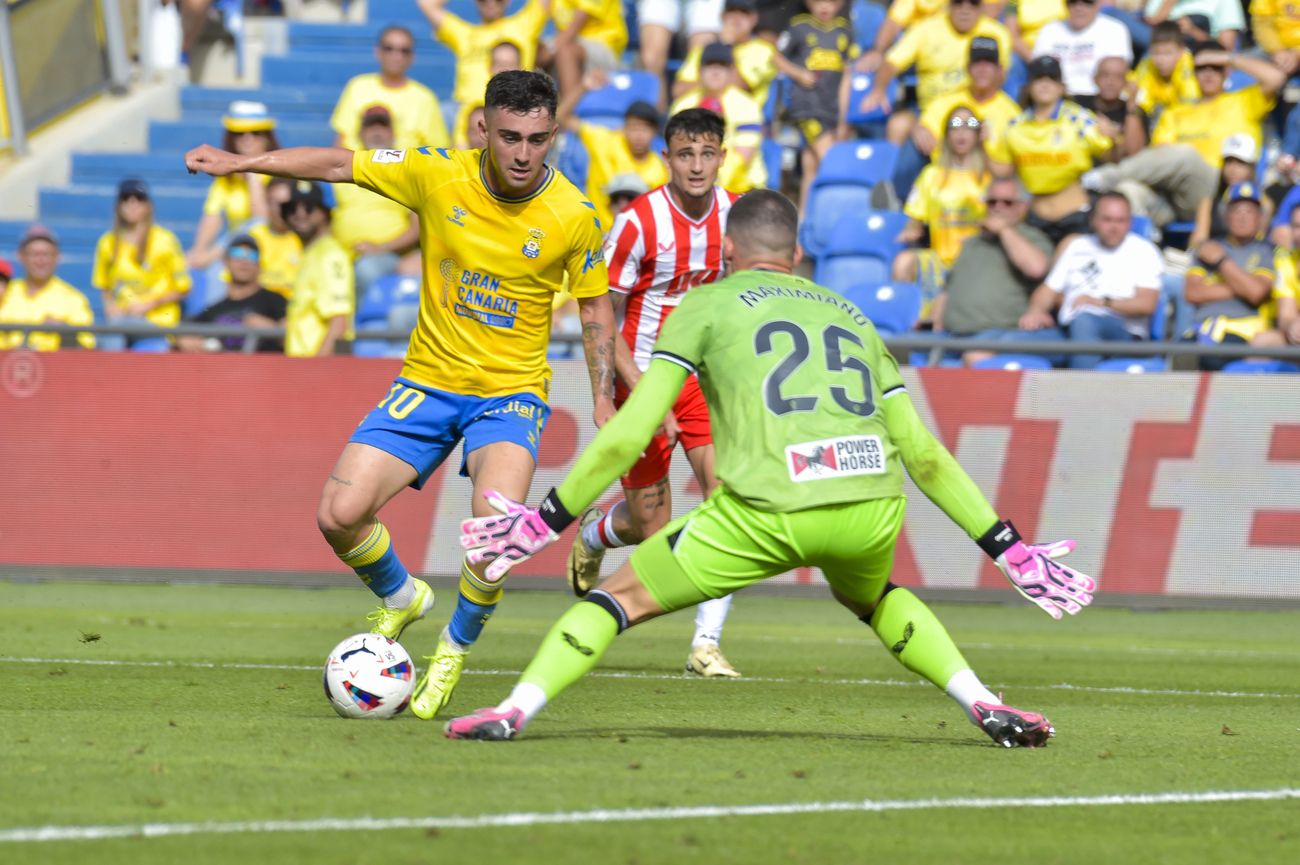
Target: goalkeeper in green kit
pixel 812 428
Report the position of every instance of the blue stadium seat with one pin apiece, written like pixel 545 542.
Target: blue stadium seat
pixel 1136 365
pixel 1238 80
pixel 323 69
pixel 1013 362
pixel 382 295
pixel 840 272
pixel 859 86
pixel 869 232
pixel 778 97
pixel 170 139
pixel 609 104
pixel 893 307
pixel 867 18
pixel 574 161
pixel 153 344
pixel 1143 228
pixel 843 186
pixel 772 153
pixel 1251 366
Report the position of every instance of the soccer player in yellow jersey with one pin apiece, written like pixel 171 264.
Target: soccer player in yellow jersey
pixel 500 231
pixel 416 113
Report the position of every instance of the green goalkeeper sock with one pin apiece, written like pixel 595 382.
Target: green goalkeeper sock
pixel 571 649
pixel 915 637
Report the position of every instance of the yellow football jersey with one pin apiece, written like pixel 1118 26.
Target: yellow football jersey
pixel 905 13
pixel 120 272
pixel 472 44
pixel 361 216
pixel 279 256
pixel 491 266
pixel 940 54
pixel 754 64
pixel 610 156
pixel 56 302
pixel 325 288
pixel 950 202
pixel 1156 93
pixel 1205 125
pixel 1031 15
pixel 605 22
pixel 1276 24
pixel 1050 155
pixel 1287 281
pixel 416 112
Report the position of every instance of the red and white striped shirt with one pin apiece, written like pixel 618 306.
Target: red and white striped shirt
pixel 655 253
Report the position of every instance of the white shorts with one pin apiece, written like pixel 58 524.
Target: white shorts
pixel 688 16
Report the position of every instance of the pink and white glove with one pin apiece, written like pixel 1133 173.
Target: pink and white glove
pixel 517 535
pixel 1034 572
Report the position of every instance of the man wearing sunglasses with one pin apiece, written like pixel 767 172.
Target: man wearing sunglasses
pixel 417 115
pixel 1081 41
pixel 246 302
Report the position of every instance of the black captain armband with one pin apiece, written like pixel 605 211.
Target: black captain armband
pixel 997 540
pixel 554 513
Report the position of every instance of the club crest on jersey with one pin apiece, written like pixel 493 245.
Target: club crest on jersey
pixel 533 245
pixel 457 214
pixel 838 457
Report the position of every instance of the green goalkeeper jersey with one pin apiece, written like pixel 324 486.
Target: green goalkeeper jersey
pixel 795 376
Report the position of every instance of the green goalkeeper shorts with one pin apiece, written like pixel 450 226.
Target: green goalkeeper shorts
pixel 726 544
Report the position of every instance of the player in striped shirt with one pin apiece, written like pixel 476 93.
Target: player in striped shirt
pixel 667 241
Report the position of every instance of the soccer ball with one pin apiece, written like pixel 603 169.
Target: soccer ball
pixel 369 676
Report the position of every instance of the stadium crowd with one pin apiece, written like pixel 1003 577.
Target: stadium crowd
pixel 1046 170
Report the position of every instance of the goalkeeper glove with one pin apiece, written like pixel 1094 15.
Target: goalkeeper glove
pixel 1035 573
pixel 517 535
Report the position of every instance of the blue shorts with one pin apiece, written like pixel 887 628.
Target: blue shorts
pixel 421 426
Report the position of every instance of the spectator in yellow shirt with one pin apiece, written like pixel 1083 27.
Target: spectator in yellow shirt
pixel 237 199
pixel 1029 18
pixel 280 250
pixel 473 45
pixel 1051 145
pixel 139 266
pixel 592 35
pixel 756 59
pixel 948 201
pixel 41 297
pixel 1166 76
pixel 416 114
pixel 383 235
pixel 1286 288
pixel 939 48
pixel 743 168
pixel 319 319
pixel 1276 25
pixel 612 152
pixel 902 14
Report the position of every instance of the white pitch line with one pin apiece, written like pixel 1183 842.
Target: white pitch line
pixel 679 677
pixel 628 815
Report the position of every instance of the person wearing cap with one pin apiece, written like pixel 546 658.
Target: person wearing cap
pixel 40 297
pixel 1051 144
pixel 1080 41
pixel 500 233
pixel 757 60
pixel 1231 279
pixel 983 97
pixel 235 200
pixel 319 318
pixel 743 168
pixel 139 266
pixel 415 114
pixel 473 46
pixel 660 21
pixel 1240 159
pixel 629 150
pixel 1170 178
pixel 379 232
pixel 819 48
pixel 246 303
pixel 623 189
pixel 279 249
pixel 939 48
pixel 591 34
pixel 1104 286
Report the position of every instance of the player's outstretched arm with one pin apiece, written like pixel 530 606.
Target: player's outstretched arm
pixel 522 532
pixel 331 164
pixel 1032 569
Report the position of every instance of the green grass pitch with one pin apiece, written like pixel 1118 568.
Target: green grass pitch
pixel 126 706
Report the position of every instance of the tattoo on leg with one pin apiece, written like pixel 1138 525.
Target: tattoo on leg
pixel 339 480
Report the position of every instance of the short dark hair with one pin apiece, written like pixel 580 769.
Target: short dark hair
pixel 695 123
pixel 521 92
pixel 764 219
pixel 1166 31
pixel 395 28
